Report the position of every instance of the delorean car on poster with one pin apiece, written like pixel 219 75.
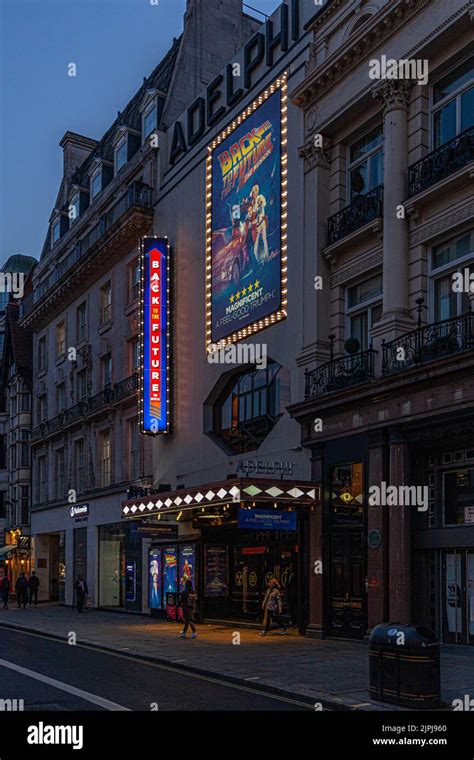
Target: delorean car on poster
pixel 246 222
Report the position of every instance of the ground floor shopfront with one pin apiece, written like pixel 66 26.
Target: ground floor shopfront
pixel 407 557
pixel 233 537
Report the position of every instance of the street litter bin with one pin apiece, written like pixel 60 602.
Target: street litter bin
pixel 404 666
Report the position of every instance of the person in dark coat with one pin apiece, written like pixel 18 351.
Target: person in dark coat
pixel 21 588
pixel 33 585
pixel 82 592
pixel 185 604
pixel 6 588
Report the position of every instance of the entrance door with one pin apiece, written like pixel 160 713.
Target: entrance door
pixel 347 598
pixel 458 596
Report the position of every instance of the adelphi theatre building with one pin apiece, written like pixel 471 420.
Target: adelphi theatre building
pixel 300 341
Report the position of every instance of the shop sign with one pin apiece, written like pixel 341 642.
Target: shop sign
pixel 158 530
pixel 469 514
pixel 225 91
pixel 254 550
pixel 264 467
pixel 79 511
pixel 266 519
pixel 154 312
pixel 130 581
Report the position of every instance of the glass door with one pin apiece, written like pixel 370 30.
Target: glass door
pixel 458 596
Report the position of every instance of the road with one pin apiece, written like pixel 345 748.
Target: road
pixel 50 675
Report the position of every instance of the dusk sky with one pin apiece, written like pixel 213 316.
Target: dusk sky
pixel 114 44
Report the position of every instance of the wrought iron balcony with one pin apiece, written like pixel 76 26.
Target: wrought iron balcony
pixel 74 413
pixel 429 342
pixel 442 162
pixel 100 401
pixel 340 373
pixel 363 209
pixel 138 194
pixel 126 387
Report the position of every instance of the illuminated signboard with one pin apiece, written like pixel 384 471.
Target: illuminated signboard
pixel 246 239
pixel 154 390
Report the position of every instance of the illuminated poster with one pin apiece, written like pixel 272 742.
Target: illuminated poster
pixel 187 564
pixel 170 569
pixel 246 172
pixel 154 345
pixel 154 579
pixel 216 570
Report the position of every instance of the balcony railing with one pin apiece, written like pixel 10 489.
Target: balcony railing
pixel 429 342
pixel 442 162
pixel 363 209
pixel 125 387
pixel 340 373
pixel 94 404
pixel 137 194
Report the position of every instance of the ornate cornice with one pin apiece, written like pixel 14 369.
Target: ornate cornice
pixel 446 222
pixel 361 265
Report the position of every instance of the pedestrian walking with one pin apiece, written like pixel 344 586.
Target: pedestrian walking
pixel 82 592
pixel 21 588
pixel 6 588
pixel 186 599
pixel 272 607
pixel 33 585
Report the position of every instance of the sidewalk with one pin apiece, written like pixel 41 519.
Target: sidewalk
pixel 334 673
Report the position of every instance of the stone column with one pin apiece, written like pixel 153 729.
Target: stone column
pixel 396 319
pixel 315 152
pixel 399 534
pixel 377 557
pixel 315 628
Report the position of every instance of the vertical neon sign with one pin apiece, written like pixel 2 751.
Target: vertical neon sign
pixel 155 335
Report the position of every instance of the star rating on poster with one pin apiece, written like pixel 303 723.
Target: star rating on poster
pixel 248 289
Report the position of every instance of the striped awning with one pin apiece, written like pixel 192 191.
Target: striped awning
pixel 238 490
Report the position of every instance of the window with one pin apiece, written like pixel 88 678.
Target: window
pixel 55 231
pixel 13 456
pixel 42 356
pixel 59 474
pixel 24 505
pixel 446 259
pixel 42 408
pixel 81 380
pixel 3 444
pixel 458 497
pixel 149 121
pixel 3 506
pixel 106 303
pixel 453 103
pixel 61 339
pixel 79 465
pixel 13 405
pixel 106 458
pixel 364 309
pixel 25 399
pixel 25 449
pixel 96 183
pixel 250 407
pixel 366 164
pixel 74 209
pixel 135 354
pixel 60 397
pixel 121 154
pixel 134 442
pixel 42 479
pixel 106 365
pixel 81 323
pixel 135 281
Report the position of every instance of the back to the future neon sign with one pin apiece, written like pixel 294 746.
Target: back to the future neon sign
pixel 154 386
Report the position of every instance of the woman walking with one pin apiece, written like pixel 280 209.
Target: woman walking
pixel 272 607
pixel 184 603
